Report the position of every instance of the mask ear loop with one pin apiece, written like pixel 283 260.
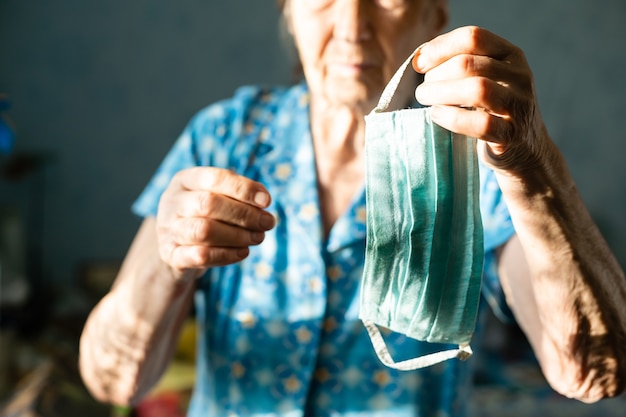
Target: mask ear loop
pixel 390 89
pixel 464 351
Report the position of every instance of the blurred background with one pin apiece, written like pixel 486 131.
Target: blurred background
pixel 93 94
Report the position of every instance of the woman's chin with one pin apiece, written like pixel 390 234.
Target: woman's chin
pixel 352 92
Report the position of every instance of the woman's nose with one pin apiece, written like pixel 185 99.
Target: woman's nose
pixel 352 20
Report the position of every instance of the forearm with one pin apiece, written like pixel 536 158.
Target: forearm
pixel 571 303
pixel 129 337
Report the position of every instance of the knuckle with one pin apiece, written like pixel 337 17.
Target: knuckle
pixel 238 186
pixel 482 128
pixel 483 90
pixel 241 189
pixel 219 175
pixel 164 205
pixel 467 64
pixel 518 53
pixel 205 202
pixel 474 35
pixel 165 251
pixel 222 177
pixel 210 178
pixel 177 178
pixel 200 256
pixel 208 257
pixel 241 215
pixel 491 128
pixel 494 127
pixel 200 230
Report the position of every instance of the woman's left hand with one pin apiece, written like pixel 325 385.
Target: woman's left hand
pixel 480 85
pixel 562 281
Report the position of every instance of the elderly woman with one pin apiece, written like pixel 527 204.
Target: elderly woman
pixel 258 210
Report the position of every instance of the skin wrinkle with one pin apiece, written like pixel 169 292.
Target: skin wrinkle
pixel 575 285
pixel 585 366
pixel 521 156
pixel 598 356
pixel 181 293
pixel 105 373
pixel 124 381
pixel 128 359
pixel 591 367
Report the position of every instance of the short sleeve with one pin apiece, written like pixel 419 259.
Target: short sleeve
pixel 497 228
pixel 180 157
pixel 212 138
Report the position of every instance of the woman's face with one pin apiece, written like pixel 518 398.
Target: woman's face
pixel 349 49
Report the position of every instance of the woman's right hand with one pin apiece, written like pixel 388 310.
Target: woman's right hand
pixel 210 217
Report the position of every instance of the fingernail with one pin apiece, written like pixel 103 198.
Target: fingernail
pixel 423 94
pixel 418 59
pixel 414 61
pixel 419 95
pixel 262 199
pixel 266 221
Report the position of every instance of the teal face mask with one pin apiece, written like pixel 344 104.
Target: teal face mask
pixel 424 256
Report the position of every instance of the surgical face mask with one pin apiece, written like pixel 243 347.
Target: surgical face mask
pixel 424 255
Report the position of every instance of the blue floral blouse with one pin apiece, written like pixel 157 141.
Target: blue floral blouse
pixel 279 333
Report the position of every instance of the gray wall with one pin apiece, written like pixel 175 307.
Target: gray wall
pixel 577 50
pixel 103 88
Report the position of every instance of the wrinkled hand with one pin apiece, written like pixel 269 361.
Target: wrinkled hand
pixel 210 217
pixel 480 85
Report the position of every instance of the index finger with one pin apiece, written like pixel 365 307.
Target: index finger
pixel 470 40
pixel 224 182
